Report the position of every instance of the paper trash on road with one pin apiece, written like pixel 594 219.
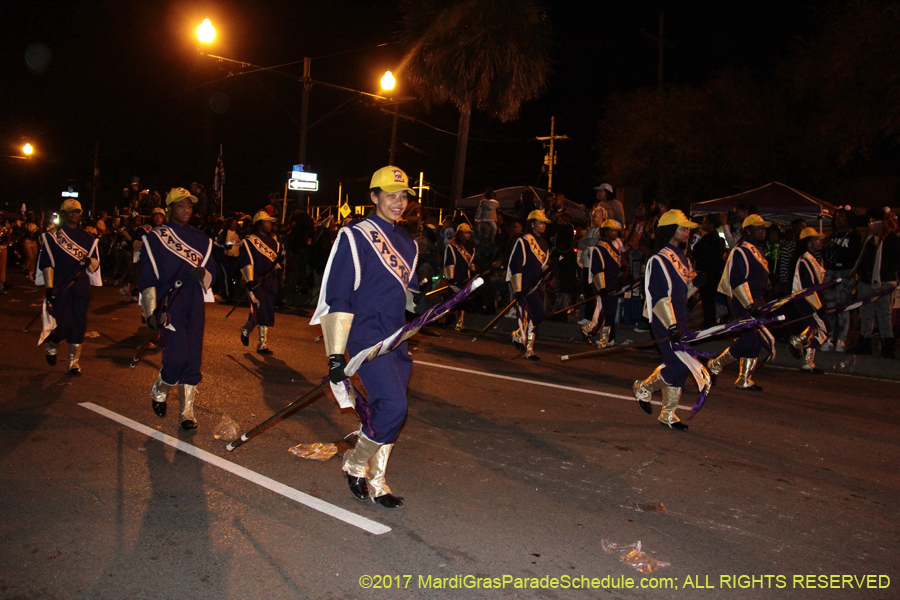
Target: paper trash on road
pixel 633 556
pixel 317 451
pixel 652 507
pixel 92 334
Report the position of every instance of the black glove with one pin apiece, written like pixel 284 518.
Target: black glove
pixel 519 296
pixel 603 293
pixel 84 262
pixel 336 364
pixel 152 323
pixel 754 309
pixel 674 334
pixel 48 293
pixel 198 273
pixel 252 284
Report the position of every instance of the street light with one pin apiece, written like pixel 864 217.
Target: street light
pixel 387 82
pixel 206 33
pixel 27 150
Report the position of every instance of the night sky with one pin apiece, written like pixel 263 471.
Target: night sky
pixel 128 75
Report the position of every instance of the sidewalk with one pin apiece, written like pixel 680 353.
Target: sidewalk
pixel 830 362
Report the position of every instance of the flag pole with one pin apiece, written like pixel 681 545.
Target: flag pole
pixel 221 188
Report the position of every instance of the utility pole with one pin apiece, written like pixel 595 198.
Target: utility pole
pixel 304 114
pixel 95 180
pixel 550 158
pixel 661 44
pixel 393 135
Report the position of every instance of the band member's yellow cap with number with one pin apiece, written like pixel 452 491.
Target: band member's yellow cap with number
pixel 179 194
pixel 262 215
pixel 676 217
pixel 70 204
pixel 391 179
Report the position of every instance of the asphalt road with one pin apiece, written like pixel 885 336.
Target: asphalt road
pixel 509 469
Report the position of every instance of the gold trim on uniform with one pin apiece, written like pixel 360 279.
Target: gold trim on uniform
pixel 742 293
pixel 664 311
pixel 515 281
pixel 247 273
pixel 599 281
pixel 336 331
pixel 448 271
pixel 148 301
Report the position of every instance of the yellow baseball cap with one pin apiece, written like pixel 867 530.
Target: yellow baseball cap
pixel 156 211
pixel 69 204
pixel 262 215
pixel 178 194
pixel 463 227
pixel 676 217
pixel 611 224
pixel 391 179
pixel 754 221
pixel 538 215
pixel 810 232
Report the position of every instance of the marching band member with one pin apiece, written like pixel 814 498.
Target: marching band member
pixel 458 267
pixel 808 272
pixel 366 290
pixel 667 284
pixel 176 275
pixel 67 253
pixel 527 262
pixel 745 281
pixel 259 258
pixel 603 274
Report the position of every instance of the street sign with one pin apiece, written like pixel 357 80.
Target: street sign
pixel 300 184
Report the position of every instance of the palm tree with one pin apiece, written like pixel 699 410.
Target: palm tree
pixel 488 54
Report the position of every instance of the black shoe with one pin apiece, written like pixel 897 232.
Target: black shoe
pixel 677 426
pixel 713 377
pixel 795 352
pixel 159 408
pixel 752 388
pixel 74 371
pixel 533 357
pixel 887 348
pixel 358 487
pixel 388 501
pixel 815 371
pixel 519 346
pixel 187 424
pixel 245 338
pixel 863 346
pixel 51 359
pixel 263 351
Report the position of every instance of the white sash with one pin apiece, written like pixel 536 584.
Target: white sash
pixel 185 252
pixel 390 258
pixel 536 249
pixel 263 248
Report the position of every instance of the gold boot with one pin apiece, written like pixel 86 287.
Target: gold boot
pixel 356 465
pixel 245 333
pixel 588 329
pixel 529 347
pixel 603 342
pixel 517 340
pixel 378 488
pixel 643 390
pixel 715 365
pixel 188 394
pixel 459 320
pixel 74 354
pixel 50 353
pixel 261 347
pixel 158 393
pixel 744 381
pixel 667 417
pixel 809 366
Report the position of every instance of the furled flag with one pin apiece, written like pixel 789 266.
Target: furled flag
pixel 219 180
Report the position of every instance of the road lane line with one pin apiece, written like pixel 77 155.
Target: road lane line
pixel 543 383
pixel 261 480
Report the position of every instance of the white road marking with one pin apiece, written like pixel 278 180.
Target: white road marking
pixel 543 383
pixel 261 480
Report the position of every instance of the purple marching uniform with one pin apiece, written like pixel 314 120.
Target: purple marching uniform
pixel 261 252
pixel 62 251
pixel 372 265
pixel 169 254
pixel 667 276
pixel 808 273
pixel 602 275
pixel 745 281
pixel 527 261
pixel 461 260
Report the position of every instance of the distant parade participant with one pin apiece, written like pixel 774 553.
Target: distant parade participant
pixel 668 278
pixel 177 275
pixel 809 272
pixel 603 274
pixel 366 288
pixel 258 261
pixel 745 282
pixel 527 262
pixel 458 264
pixel 70 265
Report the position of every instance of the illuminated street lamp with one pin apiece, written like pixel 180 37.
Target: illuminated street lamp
pixel 206 33
pixel 27 149
pixel 387 82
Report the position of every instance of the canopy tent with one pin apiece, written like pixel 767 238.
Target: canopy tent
pixel 774 202
pixel 531 196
